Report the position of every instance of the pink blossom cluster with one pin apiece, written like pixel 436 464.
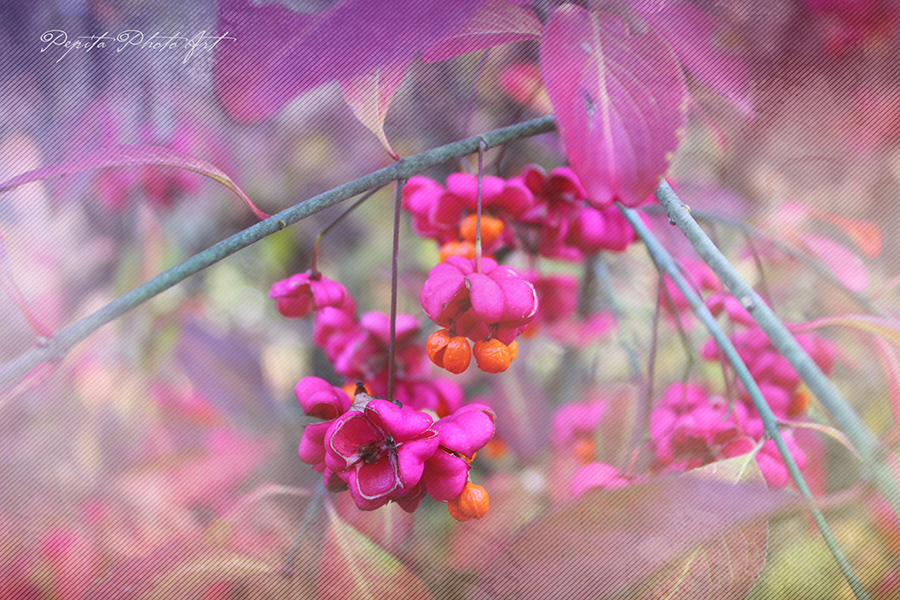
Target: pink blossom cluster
pixel 543 214
pixel 382 452
pixel 689 428
pixel 301 294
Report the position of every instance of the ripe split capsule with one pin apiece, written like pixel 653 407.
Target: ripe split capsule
pixel 451 353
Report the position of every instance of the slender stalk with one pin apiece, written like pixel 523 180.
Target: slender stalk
pixel 395 273
pixel 664 262
pixel 816 265
pixel 865 442
pixel 315 258
pixel 481 148
pixel 64 340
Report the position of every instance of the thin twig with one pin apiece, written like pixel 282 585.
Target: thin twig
pixel 395 273
pixel 665 262
pixel 330 226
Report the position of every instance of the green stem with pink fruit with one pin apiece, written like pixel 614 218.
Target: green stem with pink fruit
pixel 666 264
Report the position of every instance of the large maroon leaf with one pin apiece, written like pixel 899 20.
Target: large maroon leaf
pixel 608 543
pixel 227 372
pixel 726 566
pixel 278 54
pixel 182 570
pixel 620 102
pixel 132 156
pixel 493 23
pixel 355 567
pixel 694 38
pixel 369 96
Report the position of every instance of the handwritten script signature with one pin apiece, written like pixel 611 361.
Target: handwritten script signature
pixel 130 40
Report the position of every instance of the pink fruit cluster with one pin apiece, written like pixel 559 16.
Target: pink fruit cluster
pixel 541 214
pixel 496 303
pixel 691 427
pixel 382 452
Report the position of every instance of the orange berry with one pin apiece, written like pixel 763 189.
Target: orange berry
pixel 472 503
pixel 491 228
pixel 457 355
pixel 584 450
pixel 435 345
pixel 455 512
pixel 513 350
pixel 799 403
pixel 495 449
pixel 451 353
pixel 464 249
pixel 493 356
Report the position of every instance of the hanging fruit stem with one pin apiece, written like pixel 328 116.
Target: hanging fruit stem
pixel 482 146
pixel 340 217
pixel 395 254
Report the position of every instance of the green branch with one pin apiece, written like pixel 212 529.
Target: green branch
pixel 55 348
pixel 665 263
pixel 862 438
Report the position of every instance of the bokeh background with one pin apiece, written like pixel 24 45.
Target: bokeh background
pixel 177 424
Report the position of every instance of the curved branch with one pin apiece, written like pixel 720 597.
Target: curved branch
pixel 832 400
pixel 63 341
pixel 665 263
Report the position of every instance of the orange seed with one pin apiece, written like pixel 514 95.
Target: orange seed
pixel 435 345
pixel 491 228
pixel 464 249
pixel 493 356
pixel 457 355
pixel 472 503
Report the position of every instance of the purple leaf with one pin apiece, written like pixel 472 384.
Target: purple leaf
pixel 620 102
pixel 493 23
pixel 227 372
pixel 846 266
pixel 180 569
pixel 693 36
pixel 355 567
pixel 608 542
pixel 131 156
pixel 278 54
pixel 370 95
pixel 725 566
